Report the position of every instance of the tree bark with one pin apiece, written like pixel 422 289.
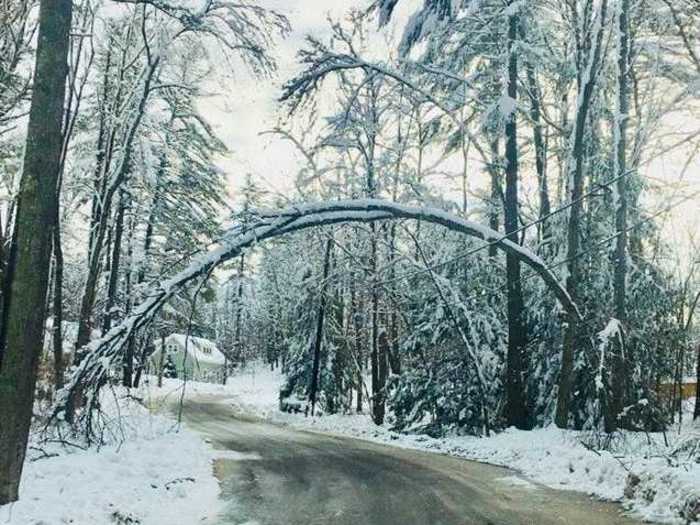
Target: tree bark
pixel 495 200
pixel 128 365
pixel 161 360
pixel 26 280
pixel 377 401
pixel 696 413
pixel 239 308
pixel 71 113
pixel 318 335
pixel 516 401
pixel 115 264
pixel 618 382
pixel 575 170
pixel 58 365
pixel 3 262
pixel 382 374
pixel 101 149
pixel 394 357
pixel 540 151
pixel 128 370
pixel 357 343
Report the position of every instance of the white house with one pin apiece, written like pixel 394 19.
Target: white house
pixel 193 358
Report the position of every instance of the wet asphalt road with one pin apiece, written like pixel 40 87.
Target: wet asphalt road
pixel 289 477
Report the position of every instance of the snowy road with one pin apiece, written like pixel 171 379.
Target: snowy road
pixel 278 476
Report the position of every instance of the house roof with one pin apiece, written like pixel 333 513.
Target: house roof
pixel 203 350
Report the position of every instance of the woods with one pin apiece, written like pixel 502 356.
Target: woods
pixel 488 220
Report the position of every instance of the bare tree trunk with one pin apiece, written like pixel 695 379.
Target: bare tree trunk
pixel 374 329
pixel 239 299
pixel 688 326
pixel 130 379
pixel 75 93
pixel 3 263
pixel 101 149
pixel 341 352
pixel 619 377
pixel 318 335
pixel 26 280
pixel 540 150
pixel 393 352
pixel 114 264
pixel 357 343
pixel 382 374
pixel 495 200
pixel 161 360
pixel 141 365
pixel 696 413
pixel 516 411
pixel 575 170
pixel 58 365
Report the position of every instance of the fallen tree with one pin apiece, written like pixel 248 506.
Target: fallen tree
pixel 100 355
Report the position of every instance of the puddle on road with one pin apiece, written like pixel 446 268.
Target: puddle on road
pixel 238 486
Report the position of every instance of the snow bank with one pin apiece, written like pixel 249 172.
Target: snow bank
pixel 656 477
pixel 256 390
pixel 155 477
pixel 647 479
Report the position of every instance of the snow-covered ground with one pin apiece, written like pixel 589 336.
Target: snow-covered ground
pixel 152 475
pixel 655 481
pixel 149 475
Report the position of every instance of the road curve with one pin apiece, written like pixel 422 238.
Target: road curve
pixel 293 477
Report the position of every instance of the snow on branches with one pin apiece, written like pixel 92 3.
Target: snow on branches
pixel 102 354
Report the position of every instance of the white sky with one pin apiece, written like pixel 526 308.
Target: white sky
pixel 243 107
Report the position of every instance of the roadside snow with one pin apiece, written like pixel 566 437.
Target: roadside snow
pixel 515 481
pixel 256 390
pixel 655 481
pixel 156 476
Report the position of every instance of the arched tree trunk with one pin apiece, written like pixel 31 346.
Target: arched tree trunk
pixel 101 353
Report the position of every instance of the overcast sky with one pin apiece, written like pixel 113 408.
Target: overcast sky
pixel 243 107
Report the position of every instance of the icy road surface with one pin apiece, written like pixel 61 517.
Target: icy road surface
pixel 273 475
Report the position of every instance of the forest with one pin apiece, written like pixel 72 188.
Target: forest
pixel 491 219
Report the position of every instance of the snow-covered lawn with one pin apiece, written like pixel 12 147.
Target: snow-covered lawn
pixel 149 475
pixel 655 481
